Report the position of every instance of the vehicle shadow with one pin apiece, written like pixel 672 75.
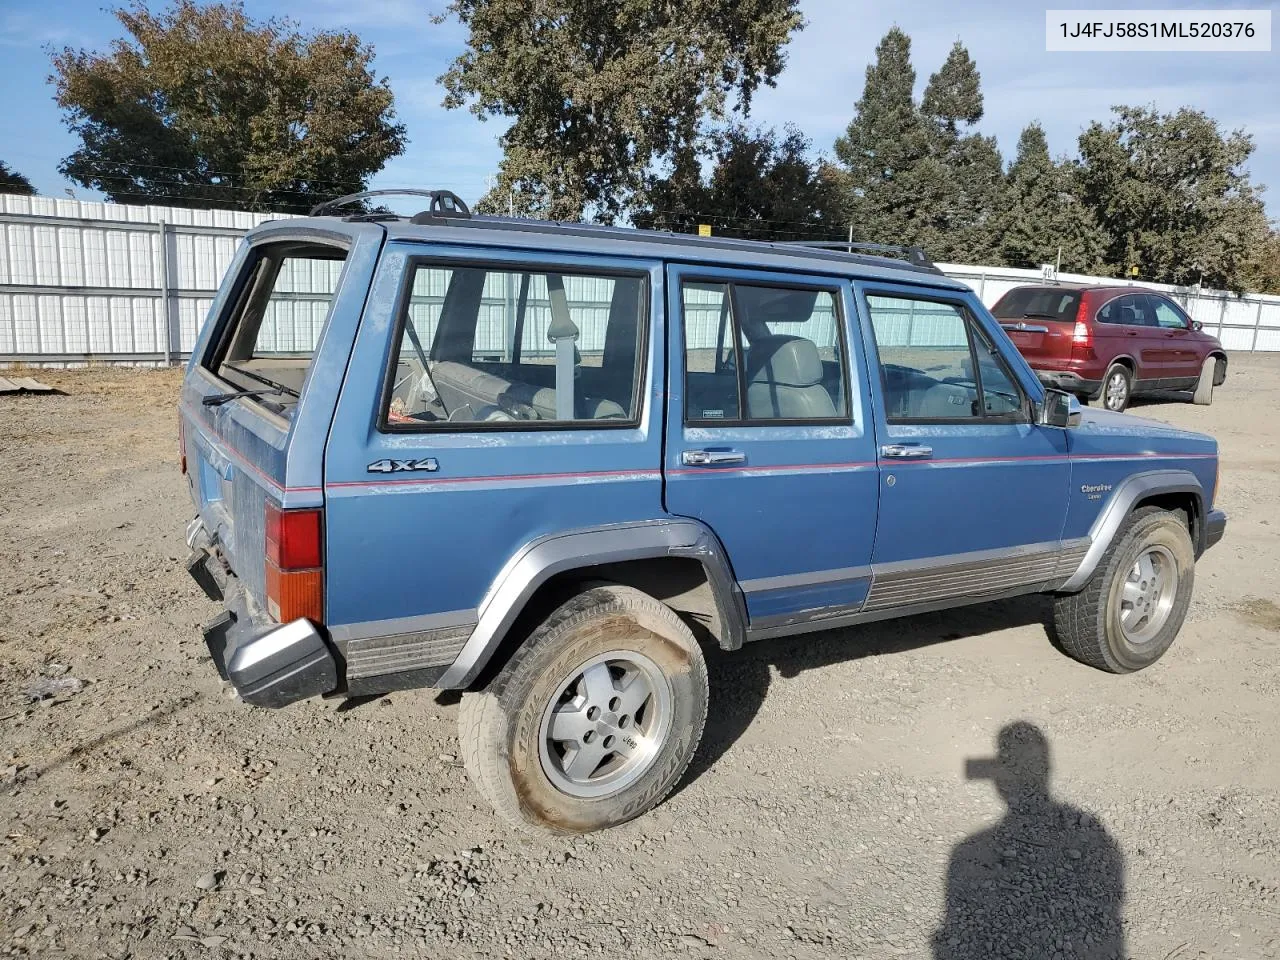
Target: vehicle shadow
pixel 1046 881
pixel 739 679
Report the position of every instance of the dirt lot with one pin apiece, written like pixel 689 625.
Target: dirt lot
pixel 827 815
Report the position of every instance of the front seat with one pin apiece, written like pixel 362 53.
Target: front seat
pixel 784 381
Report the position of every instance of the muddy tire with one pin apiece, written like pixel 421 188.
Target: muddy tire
pixel 595 717
pixel 1204 386
pixel 1130 612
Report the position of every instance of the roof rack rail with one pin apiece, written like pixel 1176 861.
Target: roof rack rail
pixel 444 203
pixel 915 255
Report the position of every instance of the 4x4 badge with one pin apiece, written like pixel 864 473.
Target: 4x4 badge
pixel 403 466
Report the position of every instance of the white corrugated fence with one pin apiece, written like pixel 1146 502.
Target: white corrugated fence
pixel 82 281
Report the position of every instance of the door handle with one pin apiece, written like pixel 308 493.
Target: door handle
pixel 906 451
pixel 712 458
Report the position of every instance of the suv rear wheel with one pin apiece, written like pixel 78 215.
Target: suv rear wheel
pixel 1117 387
pixel 594 719
pixel 1130 612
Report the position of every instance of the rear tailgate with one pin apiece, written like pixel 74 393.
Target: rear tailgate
pixel 1040 339
pixel 1040 321
pixel 284 320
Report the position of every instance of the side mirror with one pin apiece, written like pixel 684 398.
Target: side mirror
pixel 1197 325
pixel 1060 410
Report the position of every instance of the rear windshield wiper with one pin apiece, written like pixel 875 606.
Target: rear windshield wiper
pixel 218 399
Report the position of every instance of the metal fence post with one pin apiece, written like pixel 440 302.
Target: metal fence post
pixel 1257 324
pixel 166 325
pixel 982 285
pixel 1222 315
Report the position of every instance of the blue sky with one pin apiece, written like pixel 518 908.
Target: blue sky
pixel 823 78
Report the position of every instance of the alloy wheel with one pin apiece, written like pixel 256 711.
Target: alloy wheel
pixel 606 724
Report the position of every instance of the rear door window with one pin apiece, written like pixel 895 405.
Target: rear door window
pixel 269 339
pixel 1132 310
pixel 517 348
pixel 757 353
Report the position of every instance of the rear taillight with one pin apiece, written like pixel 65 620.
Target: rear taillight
pixel 182 445
pixel 295 565
pixel 1082 335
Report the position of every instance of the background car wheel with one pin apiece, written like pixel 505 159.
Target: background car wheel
pixel 1117 386
pixel 593 720
pixel 1129 613
pixel 1204 387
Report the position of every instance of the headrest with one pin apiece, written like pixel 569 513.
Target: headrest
pixel 786 361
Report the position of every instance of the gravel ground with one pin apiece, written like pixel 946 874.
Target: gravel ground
pixel 828 814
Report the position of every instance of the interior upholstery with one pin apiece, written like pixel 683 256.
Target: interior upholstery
pixel 785 380
pixel 463 387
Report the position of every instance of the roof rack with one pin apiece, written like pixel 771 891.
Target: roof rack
pixel 444 203
pixel 915 255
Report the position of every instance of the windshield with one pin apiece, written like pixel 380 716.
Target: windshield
pixel 1049 303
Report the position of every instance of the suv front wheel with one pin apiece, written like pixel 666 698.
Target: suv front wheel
pixel 1129 613
pixel 595 717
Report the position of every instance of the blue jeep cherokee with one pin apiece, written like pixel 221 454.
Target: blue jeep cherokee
pixel 541 462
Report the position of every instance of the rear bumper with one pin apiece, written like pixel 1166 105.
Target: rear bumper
pixel 269 664
pixel 1070 382
pixel 1215 526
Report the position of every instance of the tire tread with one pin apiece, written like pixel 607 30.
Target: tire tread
pixel 1078 617
pixel 483 714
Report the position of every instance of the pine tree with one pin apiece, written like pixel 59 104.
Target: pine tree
pixel 885 151
pixel 1042 212
pixel 968 165
pixel 11 181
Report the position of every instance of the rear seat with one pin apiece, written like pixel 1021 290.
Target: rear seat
pixel 461 385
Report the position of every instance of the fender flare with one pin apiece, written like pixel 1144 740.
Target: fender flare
pixel 1109 521
pixel 545 557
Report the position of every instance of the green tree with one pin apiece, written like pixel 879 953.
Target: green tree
pixel 966 171
pixel 11 181
pixel 1264 266
pixel 599 94
pixel 1174 197
pixel 202 106
pixel 891 177
pixel 761 186
pixel 1040 212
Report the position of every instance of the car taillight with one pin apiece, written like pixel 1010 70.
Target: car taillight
pixel 182 445
pixel 295 567
pixel 1082 335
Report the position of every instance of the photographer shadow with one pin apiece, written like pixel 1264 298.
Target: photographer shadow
pixel 1046 881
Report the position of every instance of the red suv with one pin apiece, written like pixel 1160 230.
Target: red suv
pixel 1111 342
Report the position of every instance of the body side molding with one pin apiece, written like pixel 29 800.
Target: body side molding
pixel 1112 517
pixel 541 559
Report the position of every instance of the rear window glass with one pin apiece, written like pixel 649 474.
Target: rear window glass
pixel 270 338
pixel 1047 303
pixel 512 348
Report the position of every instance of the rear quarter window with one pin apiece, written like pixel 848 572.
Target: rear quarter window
pixel 269 338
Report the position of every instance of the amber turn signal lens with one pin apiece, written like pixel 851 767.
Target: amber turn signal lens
pixel 295 593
